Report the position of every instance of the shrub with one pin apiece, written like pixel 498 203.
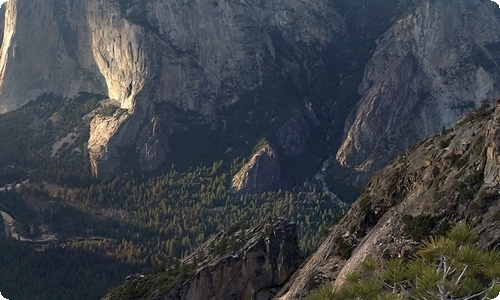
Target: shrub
pixel 445 267
pixel 456 161
pixel 418 227
pixel 344 249
pixel 365 203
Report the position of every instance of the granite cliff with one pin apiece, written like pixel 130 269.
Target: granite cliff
pixel 433 65
pixel 442 180
pixel 426 63
pixel 235 264
pixel 194 56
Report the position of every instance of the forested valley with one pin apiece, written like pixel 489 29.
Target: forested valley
pixel 103 231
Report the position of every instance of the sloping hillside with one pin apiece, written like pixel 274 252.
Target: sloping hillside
pixel 450 177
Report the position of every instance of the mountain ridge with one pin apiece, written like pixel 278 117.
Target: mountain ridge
pixel 135 120
pixel 125 51
pixel 432 66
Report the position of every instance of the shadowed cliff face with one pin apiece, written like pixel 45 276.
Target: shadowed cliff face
pixel 432 66
pixel 244 264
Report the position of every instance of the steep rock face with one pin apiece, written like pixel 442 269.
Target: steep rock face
pixel 253 272
pixel 265 258
pixel 433 65
pixel 445 179
pixel 100 149
pixel 261 172
pixel 492 167
pixel 3 7
pixel 198 56
pixel 86 46
pixel 155 146
pixel 229 45
pixel 124 53
pixel 43 27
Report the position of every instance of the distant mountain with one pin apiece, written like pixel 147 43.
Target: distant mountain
pixel 436 63
pixel 287 71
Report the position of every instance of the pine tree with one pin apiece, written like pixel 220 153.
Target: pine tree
pixel 448 267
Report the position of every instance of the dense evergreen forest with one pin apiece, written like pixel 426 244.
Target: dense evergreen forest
pixel 137 223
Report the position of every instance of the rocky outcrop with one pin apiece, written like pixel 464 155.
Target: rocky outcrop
pixel 261 172
pixel 237 264
pixel 100 149
pixel 443 180
pixel 430 68
pixel 254 272
pixel 492 149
